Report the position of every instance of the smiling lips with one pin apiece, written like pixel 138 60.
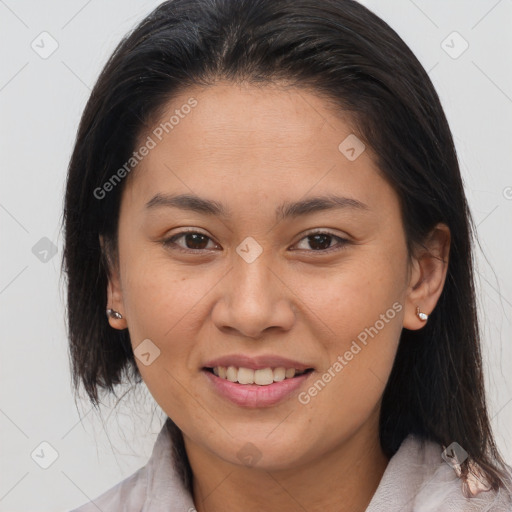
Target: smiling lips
pixel 256 381
pixel 261 377
pixel 261 370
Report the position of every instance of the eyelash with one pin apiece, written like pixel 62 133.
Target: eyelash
pixel 171 242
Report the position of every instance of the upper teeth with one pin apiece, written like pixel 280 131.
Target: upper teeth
pixel 263 377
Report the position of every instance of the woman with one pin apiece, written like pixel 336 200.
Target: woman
pixel 265 199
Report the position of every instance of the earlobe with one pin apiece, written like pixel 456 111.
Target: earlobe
pixel 115 306
pixel 421 315
pixel 430 267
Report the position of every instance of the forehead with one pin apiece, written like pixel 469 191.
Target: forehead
pixel 268 142
pixel 242 120
pixel 242 116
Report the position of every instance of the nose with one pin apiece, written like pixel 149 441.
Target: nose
pixel 253 300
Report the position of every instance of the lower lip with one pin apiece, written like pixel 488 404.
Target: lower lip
pixel 254 395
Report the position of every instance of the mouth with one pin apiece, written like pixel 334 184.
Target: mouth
pixel 258 381
pixel 258 388
pixel 259 377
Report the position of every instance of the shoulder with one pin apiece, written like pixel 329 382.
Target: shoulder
pixel 418 479
pixel 128 495
pixel 155 487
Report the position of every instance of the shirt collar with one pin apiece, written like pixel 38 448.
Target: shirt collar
pixel 416 479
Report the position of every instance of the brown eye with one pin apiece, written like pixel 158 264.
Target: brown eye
pixel 321 242
pixel 193 241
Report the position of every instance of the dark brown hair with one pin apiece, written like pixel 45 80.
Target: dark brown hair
pixel 344 52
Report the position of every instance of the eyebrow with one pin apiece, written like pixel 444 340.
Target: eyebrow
pixel 286 210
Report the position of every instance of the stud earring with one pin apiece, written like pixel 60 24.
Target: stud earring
pixel 421 315
pixel 114 314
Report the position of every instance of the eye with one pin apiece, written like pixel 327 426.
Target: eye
pixel 194 241
pixel 320 241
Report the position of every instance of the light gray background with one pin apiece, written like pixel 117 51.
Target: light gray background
pixel 41 101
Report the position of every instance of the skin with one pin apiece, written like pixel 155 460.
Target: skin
pixel 251 149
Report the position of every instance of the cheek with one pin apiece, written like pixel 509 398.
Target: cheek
pixel 353 297
pixel 347 391
pixel 163 299
pixel 359 312
pixel 165 305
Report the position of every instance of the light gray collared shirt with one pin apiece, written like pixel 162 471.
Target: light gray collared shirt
pixel 417 479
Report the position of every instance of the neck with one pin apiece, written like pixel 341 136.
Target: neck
pixel 345 479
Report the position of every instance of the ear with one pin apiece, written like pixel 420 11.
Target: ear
pixel 427 275
pixel 114 291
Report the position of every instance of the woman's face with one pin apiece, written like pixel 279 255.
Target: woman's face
pixel 251 285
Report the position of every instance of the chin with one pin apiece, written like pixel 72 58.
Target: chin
pixel 274 452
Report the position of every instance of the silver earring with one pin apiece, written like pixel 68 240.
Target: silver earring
pixel 114 314
pixel 421 315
